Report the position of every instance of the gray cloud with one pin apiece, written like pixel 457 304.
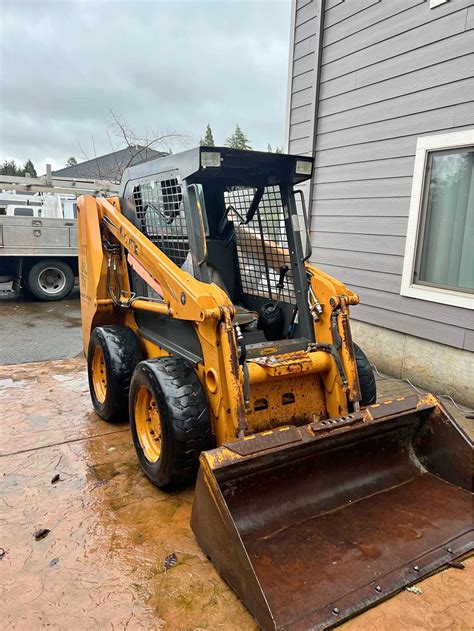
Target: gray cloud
pixel 168 66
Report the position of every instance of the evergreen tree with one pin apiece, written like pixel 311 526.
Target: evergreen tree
pixel 277 149
pixel 71 161
pixel 208 140
pixel 29 169
pixel 238 140
pixel 9 167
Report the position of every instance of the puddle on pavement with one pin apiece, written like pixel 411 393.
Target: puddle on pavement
pixel 101 566
pixel 9 383
pixel 8 388
pixel 32 311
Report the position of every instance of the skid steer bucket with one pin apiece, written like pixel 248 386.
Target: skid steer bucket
pixel 310 525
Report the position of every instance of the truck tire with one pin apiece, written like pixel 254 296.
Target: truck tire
pixel 50 280
pixel 169 419
pixel 368 388
pixel 113 353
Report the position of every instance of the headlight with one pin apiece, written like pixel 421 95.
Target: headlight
pixel 210 159
pixel 304 167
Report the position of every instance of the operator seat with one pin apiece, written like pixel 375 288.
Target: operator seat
pixel 214 275
pixel 243 316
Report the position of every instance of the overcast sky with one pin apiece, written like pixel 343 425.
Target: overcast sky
pixel 162 66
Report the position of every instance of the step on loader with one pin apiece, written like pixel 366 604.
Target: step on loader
pixel 205 322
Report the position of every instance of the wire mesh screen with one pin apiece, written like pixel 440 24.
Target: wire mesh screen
pixel 262 245
pixel 160 209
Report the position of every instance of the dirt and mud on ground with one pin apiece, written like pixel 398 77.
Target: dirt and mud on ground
pixel 102 563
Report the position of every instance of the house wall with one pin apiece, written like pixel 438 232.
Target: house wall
pixel 303 75
pixel 368 77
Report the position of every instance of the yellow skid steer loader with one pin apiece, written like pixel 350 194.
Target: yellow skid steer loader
pixel 204 322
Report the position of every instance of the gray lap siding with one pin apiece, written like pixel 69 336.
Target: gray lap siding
pixel 388 72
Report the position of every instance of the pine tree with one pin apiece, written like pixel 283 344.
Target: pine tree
pixel 208 140
pixel 238 140
pixel 71 162
pixel 9 167
pixel 277 149
pixel 29 169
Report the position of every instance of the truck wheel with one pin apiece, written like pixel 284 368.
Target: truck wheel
pixel 368 388
pixel 169 419
pixel 113 353
pixel 50 280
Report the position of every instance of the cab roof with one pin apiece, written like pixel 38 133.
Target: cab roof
pixel 203 164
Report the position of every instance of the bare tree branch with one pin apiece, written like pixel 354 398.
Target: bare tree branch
pixel 138 147
pixel 83 153
pixel 117 164
pixel 86 158
pixel 120 128
pixel 96 161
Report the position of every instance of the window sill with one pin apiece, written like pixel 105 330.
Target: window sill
pixel 443 296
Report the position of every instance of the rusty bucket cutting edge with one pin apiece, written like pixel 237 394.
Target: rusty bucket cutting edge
pixel 310 525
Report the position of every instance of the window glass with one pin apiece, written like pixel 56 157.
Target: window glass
pixel 23 212
pixel 445 256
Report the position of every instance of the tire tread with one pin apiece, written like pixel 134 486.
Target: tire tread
pixel 368 386
pixel 125 353
pixel 188 413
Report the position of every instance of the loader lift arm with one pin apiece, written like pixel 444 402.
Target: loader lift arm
pixel 184 298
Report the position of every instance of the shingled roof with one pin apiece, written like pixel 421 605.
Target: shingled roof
pixel 111 166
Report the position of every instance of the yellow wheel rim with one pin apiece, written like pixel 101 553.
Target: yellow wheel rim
pixel 148 424
pixel 99 375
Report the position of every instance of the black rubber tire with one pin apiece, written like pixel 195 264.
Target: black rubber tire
pixel 34 288
pixel 122 352
pixel 368 387
pixel 184 417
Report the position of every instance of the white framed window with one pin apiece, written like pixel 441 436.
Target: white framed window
pixel 439 252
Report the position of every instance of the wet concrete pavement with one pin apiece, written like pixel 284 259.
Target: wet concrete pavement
pixel 102 564
pixel 36 331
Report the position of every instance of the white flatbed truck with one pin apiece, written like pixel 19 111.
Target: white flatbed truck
pixel 38 252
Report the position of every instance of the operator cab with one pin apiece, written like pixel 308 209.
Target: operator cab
pixel 231 218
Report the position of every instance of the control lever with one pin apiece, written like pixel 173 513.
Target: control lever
pixel 283 271
pixel 281 281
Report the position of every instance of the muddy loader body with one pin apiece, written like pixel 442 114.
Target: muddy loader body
pixel 232 355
